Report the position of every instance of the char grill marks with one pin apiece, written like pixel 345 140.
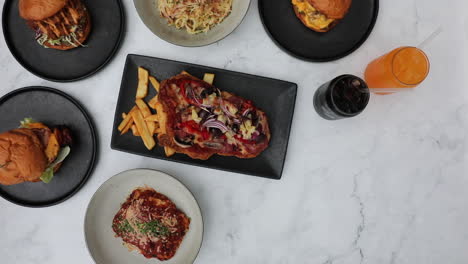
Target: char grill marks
pixel 61 24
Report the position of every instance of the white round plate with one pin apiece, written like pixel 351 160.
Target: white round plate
pixel 149 13
pixel 105 248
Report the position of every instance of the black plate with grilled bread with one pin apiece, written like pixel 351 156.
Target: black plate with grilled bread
pixel 78 40
pixel 346 27
pixel 55 109
pixel 275 97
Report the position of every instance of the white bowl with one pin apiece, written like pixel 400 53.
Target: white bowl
pixel 149 14
pixel 102 244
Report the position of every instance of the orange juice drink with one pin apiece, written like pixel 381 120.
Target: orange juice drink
pixel 404 67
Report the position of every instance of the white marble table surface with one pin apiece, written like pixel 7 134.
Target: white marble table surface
pixel 389 186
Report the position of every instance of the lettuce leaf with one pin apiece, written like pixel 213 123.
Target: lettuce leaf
pixel 55 41
pixel 48 174
pixel 25 122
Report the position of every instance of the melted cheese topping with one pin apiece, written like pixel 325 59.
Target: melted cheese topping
pixel 247 129
pixel 151 224
pixel 210 99
pixel 230 137
pixel 314 18
pixel 195 116
pixel 222 118
pixel 231 108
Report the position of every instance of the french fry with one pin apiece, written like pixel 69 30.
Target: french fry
pixel 147 138
pixel 153 118
pixel 161 118
pixel 155 83
pixel 142 89
pixel 135 131
pixel 169 151
pixel 209 78
pixel 152 103
pixel 127 128
pixel 156 129
pixel 151 126
pixel 145 111
pixel 124 125
pixel 130 124
pixel 186 73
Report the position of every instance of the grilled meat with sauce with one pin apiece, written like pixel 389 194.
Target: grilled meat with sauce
pixel 150 223
pixel 59 24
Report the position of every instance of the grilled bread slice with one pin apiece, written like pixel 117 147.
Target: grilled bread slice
pixel 199 120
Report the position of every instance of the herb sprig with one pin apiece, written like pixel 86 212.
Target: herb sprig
pixel 155 227
pixel 125 227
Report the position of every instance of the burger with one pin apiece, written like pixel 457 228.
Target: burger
pixel 59 24
pixel 32 152
pixel 321 15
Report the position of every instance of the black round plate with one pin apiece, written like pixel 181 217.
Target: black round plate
pixel 107 19
pixel 292 36
pixel 53 108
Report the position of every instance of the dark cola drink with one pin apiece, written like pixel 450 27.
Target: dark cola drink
pixel 343 97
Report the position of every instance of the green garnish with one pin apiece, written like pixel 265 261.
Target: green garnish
pixel 155 227
pixel 55 41
pixel 125 227
pixel 70 40
pixel 48 174
pixel 25 122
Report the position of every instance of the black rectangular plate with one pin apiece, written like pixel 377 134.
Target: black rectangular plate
pixel 277 98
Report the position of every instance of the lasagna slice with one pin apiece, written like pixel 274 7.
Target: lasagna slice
pixel 199 120
pixel 151 223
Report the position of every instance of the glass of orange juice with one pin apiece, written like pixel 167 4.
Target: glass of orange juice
pixel 402 68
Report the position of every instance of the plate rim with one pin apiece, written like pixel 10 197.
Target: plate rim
pixel 198 45
pixel 91 167
pixel 152 171
pixel 116 48
pixel 328 59
pixel 272 176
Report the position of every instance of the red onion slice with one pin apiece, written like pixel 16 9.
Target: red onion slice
pixel 246 112
pixel 237 121
pixel 226 111
pixel 215 124
pixel 38 33
pixel 191 94
pixel 180 144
